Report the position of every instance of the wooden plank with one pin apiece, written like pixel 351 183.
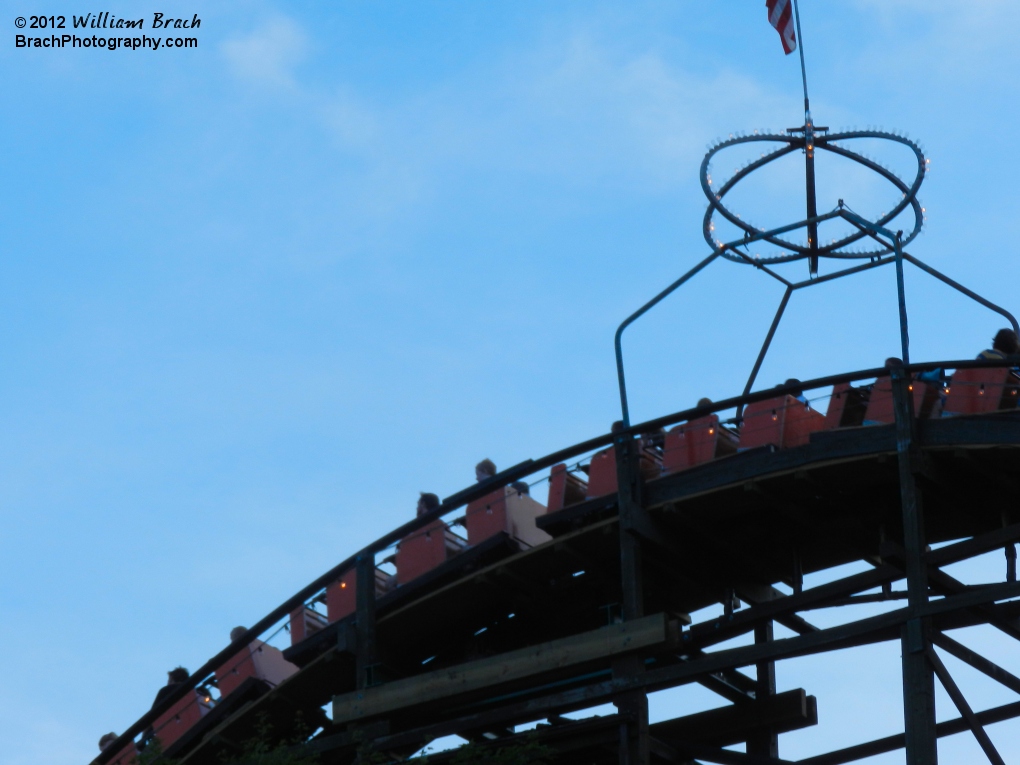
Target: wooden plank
pixel 974 546
pixel 757 464
pixel 829 448
pixel 998 429
pixel 724 726
pixel 601 644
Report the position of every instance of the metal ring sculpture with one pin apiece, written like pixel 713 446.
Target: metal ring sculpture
pixel 808 143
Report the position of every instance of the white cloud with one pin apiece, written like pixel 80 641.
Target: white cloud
pixel 947 42
pixel 268 55
pixel 575 108
pixel 657 113
pixel 350 120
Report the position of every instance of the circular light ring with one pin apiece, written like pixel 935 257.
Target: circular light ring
pixel 826 143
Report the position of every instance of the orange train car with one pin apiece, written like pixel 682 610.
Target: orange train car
pixel 695 442
pixel 783 422
pixel 176 721
pixel 342 595
pixel 257 659
pixel 505 510
pixel 420 552
pixel 976 391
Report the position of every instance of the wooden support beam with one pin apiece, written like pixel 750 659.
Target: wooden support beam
pixel 892 743
pixel 944 584
pixel 918 677
pixel 365 619
pixel 635 527
pixel 824 640
pixel 947 585
pixel 730 684
pixel 598 646
pixel 726 756
pixel 764 742
pixel 755 594
pixel 720 630
pixel 977 661
pixel 634 524
pixel 633 729
pixel 978 545
pixel 725 726
pixel 965 711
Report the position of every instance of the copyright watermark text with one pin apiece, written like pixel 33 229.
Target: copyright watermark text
pixel 105 30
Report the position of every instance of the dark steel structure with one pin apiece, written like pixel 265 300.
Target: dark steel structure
pixel 888 244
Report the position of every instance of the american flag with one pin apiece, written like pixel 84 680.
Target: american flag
pixel 781 17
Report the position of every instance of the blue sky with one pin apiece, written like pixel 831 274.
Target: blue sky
pixel 255 296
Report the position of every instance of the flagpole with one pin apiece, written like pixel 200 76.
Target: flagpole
pixel 809 156
pixel 803 69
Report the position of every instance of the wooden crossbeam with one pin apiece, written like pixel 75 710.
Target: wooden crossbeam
pixel 823 640
pixel 977 661
pixel 982 543
pixel 722 726
pixel 756 594
pixel 945 584
pixel 727 756
pixel 786 648
pixel 732 724
pixel 892 743
pixel 648 633
pixel 719 630
pixel 965 711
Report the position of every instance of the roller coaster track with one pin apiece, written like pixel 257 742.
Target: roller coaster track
pixel 513 630
pixel 504 634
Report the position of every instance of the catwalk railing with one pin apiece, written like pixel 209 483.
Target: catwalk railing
pixel 364 560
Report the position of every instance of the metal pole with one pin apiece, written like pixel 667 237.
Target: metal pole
pixel 765 345
pixel 969 293
pixel 636 315
pixel 902 298
pixel 803 69
pixel 809 154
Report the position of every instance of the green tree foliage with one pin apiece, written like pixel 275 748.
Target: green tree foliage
pixel 525 751
pixel 153 753
pixel 265 749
